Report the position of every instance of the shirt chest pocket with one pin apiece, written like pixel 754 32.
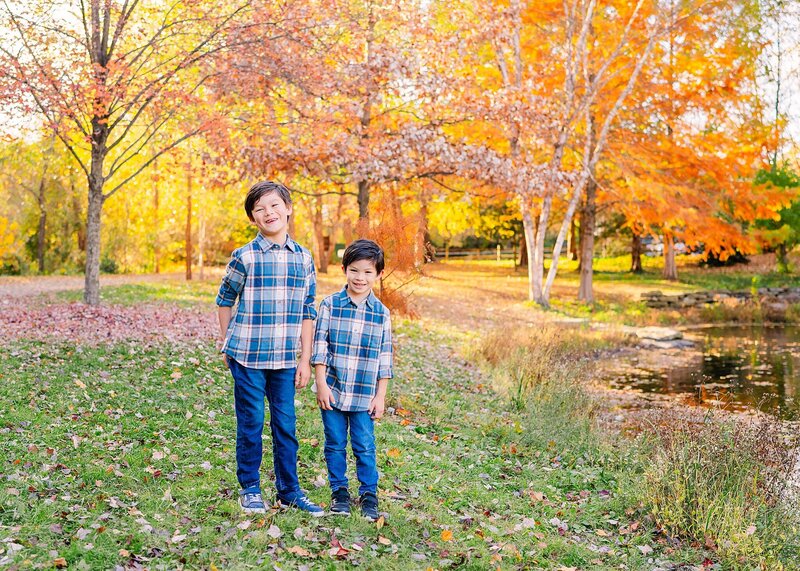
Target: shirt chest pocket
pixel 371 341
pixel 296 275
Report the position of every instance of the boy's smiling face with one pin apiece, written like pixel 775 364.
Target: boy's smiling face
pixel 361 277
pixel 271 217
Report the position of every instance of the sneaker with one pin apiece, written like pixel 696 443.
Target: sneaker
pixel 300 501
pixel 369 506
pixel 340 502
pixel 251 502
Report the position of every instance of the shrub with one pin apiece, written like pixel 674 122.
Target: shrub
pixel 724 483
pixel 108 266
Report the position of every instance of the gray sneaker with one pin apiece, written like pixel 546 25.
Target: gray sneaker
pixel 252 503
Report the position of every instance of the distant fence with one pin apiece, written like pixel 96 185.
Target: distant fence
pixel 478 254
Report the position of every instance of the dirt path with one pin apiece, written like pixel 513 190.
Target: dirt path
pixel 30 286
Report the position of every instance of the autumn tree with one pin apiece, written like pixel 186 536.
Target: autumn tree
pixel 106 77
pixel 691 142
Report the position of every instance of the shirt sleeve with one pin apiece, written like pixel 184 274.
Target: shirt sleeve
pixel 311 289
pixel 233 281
pixel 321 335
pixel 385 359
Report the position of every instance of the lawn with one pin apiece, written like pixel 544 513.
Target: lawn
pixel 119 451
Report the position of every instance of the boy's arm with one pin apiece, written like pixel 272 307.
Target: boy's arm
pixel 229 291
pixel 303 374
pixel 378 402
pixel 320 357
pixel 224 317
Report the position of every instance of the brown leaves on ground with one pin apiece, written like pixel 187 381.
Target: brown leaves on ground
pixel 92 325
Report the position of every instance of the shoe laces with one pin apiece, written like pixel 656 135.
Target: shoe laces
pixel 252 497
pixel 302 500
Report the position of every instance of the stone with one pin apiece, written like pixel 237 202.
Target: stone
pixel 658 333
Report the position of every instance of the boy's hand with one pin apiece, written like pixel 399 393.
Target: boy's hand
pixel 325 398
pixel 376 407
pixel 303 374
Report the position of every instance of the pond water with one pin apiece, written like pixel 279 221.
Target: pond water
pixel 737 367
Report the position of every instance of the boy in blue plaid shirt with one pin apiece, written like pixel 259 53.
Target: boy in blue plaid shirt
pixel 353 365
pixel 274 281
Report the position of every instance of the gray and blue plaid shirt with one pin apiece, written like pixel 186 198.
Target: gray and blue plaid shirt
pixel 276 286
pixel 355 342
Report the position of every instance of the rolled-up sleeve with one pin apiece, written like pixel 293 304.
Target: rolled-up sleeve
pixel 321 334
pixel 309 312
pixel 233 282
pixel 385 359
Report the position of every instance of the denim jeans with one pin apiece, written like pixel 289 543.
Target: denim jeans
pixel 362 441
pixel 249 389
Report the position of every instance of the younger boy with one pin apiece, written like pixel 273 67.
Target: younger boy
pixel 274 280
pixel 353 365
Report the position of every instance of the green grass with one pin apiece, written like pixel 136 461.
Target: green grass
pixel 121 454
pixel 125 454
pixel 181 293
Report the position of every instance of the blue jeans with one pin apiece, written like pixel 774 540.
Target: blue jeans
pixel 249 389
pixel 362 441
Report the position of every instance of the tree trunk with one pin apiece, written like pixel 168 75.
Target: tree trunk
pixel 188 232
pixel 670 268
pixel 783 259
pixel 530 252
pixel 319 236
pixel 156 225
pixel 585 290
pixel 96 180
pixel 536 254
pixel 422 239
pixel 523 251
pixel 573 244
pixel 636 254
pixel 91 290
pixel 201 238
pixel 41 229
pixel 363 208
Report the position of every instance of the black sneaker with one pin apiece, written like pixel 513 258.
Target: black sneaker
pixel 369 506
pixel 340 502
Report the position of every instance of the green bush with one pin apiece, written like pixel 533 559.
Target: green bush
pixel 108 266
pixel 724 484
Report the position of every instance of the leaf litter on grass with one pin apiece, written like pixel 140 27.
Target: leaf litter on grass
pixel 108 435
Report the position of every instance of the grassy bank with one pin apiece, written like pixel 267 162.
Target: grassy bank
pixel 722 483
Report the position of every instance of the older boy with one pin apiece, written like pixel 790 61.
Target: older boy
pixel 274 280
pixel 353 365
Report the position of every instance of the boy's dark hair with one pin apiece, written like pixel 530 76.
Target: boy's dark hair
pixel 259 189
pixel 364 250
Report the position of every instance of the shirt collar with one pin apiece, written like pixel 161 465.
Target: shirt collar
pixel 369 300
pixel 265 244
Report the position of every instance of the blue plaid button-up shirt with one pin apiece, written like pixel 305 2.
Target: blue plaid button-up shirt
pixel 276 286
pixel 355 342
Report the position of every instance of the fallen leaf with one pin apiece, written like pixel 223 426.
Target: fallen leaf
pixel 393 453
pixel 124 553
pixel 602 533
pixel 60 562
pixel 274 531
pixel 750 530
pixel 379 523
pixel 244 524
pixel 447 535
pixel 297 550
pixel 383 540
pixel 645 549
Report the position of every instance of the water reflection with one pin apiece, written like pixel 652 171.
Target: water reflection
pixel 742 367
